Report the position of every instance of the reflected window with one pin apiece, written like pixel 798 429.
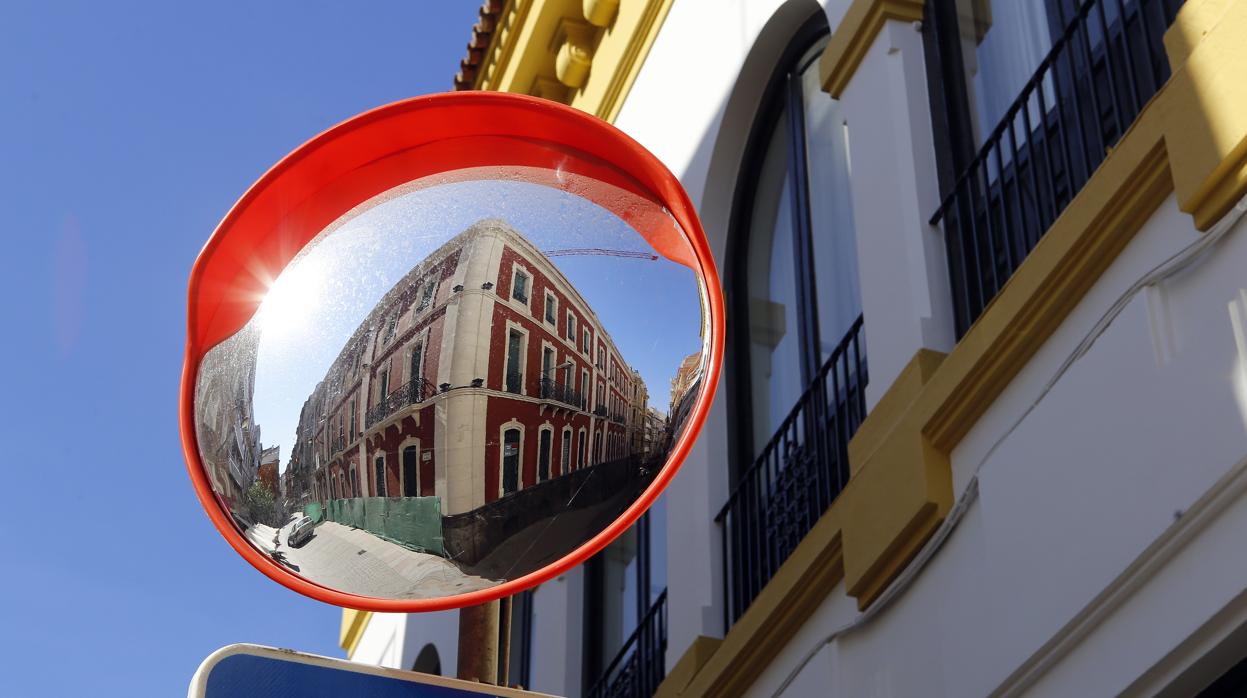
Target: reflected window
pixel 383 385
pixel 417 355
pixel 543 455
pixel 580 448
pixel 426 297
pixel 380 472
pixel 571 326
pixel 411 477
pixel 353 401
pixel 566 461
pixel 510 461
pixel 519 287
pixel 551 308
pixel 515 364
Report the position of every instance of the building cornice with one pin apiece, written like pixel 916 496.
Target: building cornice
pixel 584 53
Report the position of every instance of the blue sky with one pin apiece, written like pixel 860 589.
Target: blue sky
pixel 126 133
pixel 650 308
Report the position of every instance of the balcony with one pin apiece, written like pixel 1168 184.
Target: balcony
pixel 640 666
pixel 618 418
pixel 338 445
pixel 553 390
pixel 599 411
pixel 1101 70
pixel 795 478
pixel 411 393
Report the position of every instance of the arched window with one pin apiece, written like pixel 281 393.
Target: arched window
pixel 510 461
pixel 792 269
pixel 796 360
pixel 411 471
pixel 427 662
pixel 544 439
pixel 379 485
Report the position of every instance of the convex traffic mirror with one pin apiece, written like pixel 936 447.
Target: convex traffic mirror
pixel 447 350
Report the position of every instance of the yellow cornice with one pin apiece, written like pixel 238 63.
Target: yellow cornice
pixel 353 624
pixel 1189 140
pixel 855 34
pixel 626 70
pixel 583 53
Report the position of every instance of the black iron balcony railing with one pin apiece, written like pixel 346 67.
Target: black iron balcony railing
pixel 339 445
pixel 411 393
pixel 618 418
pixel 1102 69
pixel 553 390
pixel 600 411
pixel 797 475
pixel 640 665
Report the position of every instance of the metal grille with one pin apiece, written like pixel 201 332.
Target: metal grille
pixel 553 390
pixel 797 475
pixel 640 665
pixel 410 393
pixel 1101 70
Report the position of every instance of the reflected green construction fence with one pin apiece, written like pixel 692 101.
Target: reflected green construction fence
pixel 412 522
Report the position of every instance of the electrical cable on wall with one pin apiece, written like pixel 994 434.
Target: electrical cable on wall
pixel 1188 256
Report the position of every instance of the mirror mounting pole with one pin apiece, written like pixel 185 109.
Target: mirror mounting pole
pixel 478 643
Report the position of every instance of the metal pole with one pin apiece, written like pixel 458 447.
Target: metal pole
pixel 504 641
pixel 478 643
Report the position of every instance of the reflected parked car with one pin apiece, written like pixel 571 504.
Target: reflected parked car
pixel 300 532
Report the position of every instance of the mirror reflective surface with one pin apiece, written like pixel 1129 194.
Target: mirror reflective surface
pixel 454 385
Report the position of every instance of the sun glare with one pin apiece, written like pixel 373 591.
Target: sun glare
pixel 291 299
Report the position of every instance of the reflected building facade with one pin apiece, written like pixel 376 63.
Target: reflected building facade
pixel 229 440
pixel 482 373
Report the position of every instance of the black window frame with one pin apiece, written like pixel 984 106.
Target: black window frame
pixel 783 90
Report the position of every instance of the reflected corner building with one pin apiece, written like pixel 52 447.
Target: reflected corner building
pixel 959 414
pixel 480 374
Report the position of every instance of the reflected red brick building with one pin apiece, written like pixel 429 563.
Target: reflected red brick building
pixel 481 373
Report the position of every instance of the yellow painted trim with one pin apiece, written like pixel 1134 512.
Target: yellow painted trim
pixel 802 583
pixel 857 30
pixel 593 71
pixel 625 73
pixel 1190 140
pixel 698 653
pixel 353 625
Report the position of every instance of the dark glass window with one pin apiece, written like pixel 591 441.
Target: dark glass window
pixel 380 466
pixel 515 364
pixel 510 461
pixel 519 291
pixel 794 268
pixel 543 455
pixel 411 472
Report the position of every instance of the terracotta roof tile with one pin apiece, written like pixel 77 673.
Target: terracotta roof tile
pixel 482 33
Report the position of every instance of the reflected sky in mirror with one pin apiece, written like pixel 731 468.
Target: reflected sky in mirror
pixel 451 387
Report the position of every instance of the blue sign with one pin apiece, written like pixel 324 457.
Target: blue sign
pixel 252 671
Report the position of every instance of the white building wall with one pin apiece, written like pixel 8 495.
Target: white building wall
pixel 1089 555
pixel 382 641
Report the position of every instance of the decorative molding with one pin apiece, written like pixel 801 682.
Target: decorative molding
pixel 855 34
pixel 353 624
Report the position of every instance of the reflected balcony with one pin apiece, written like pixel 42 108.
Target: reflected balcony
pixel 410 393
pixel 553 390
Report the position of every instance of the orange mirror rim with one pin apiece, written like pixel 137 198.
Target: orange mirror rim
pixel 397 144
